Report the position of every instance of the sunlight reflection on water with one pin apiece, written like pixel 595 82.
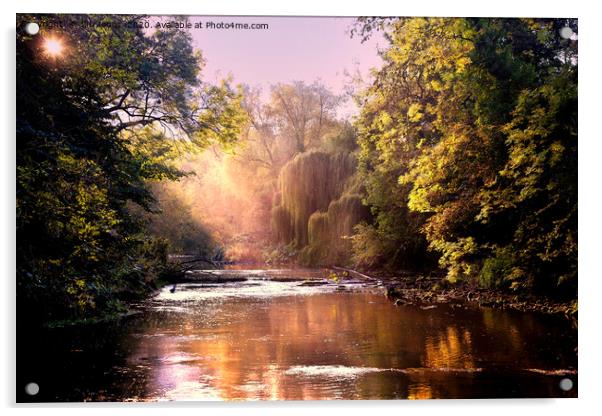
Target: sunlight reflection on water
pixel 192 292
pixel 286 340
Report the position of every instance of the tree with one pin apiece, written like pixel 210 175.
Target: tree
pixel 304 112
pixel 472 124
pixel 395 123
pixel 94 125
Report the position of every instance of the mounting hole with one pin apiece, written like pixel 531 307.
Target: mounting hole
pixel 32 28
pixel 566 384
pixel 32 389
pixel 566 32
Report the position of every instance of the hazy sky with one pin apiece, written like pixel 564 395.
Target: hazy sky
pixel 293 48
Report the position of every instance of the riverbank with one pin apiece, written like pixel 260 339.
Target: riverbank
pixel 402 288
pixel 426 291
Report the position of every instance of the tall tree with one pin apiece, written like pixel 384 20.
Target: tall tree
pixel 99 115
pixel 472 124
pixel 304 112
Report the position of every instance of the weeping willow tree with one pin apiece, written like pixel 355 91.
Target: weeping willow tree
pixel 308 183
pixel 330 232
pixel 318 205
pixel 281 225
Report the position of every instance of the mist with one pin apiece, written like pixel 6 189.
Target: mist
pixel 252 202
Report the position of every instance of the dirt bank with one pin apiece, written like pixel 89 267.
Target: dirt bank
pixel 408 289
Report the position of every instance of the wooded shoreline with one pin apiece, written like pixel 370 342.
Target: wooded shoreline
pixel 406 289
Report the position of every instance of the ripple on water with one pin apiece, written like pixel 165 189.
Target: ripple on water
pixel 193 391
pixel 341 371
pixel 182 358
pixel 263 289
pixel 334 371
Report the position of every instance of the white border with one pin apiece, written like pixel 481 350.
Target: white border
pixel 589 201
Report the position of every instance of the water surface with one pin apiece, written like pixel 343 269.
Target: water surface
pixel 280 340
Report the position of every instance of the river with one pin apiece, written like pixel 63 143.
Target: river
pixel 287 340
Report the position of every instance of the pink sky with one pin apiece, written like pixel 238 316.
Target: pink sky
pixel 293 48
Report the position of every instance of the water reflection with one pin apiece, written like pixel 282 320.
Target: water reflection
pixel 278 340
pixel 420 391
pixel 314 343
pixel 449 349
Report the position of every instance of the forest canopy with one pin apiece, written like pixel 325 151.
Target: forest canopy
pixel 468 139
pixel 93 131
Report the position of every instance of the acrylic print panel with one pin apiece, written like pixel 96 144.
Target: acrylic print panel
pixel 295 208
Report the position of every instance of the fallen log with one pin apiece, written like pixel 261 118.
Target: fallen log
pixel 357 274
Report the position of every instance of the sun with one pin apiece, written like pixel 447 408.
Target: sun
pixel 53 47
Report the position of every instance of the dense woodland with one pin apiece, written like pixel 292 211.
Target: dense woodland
pixel 462 160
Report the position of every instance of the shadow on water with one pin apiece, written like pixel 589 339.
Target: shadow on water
pixel 264 339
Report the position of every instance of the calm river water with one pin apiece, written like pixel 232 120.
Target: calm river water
pixel 280 340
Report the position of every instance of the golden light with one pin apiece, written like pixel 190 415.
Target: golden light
pixel 53 47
